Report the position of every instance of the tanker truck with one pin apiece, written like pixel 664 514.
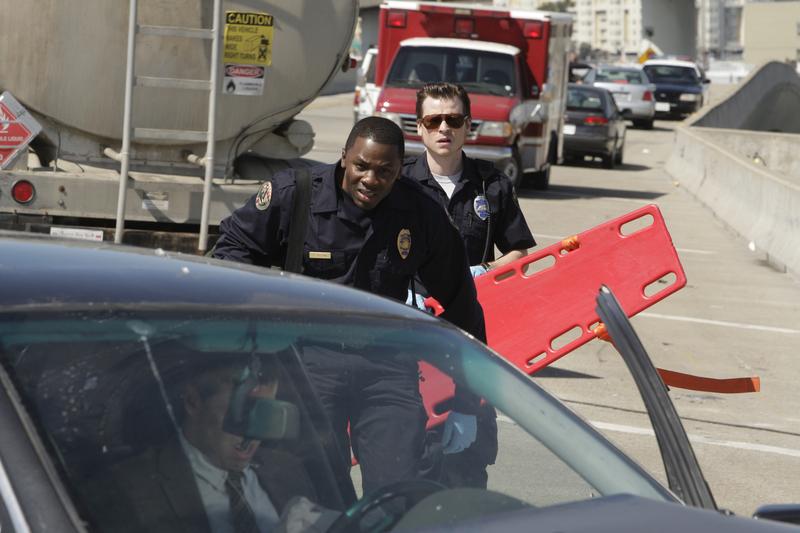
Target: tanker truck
pixel 69 68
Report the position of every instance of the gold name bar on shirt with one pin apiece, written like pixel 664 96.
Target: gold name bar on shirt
pixel 319 255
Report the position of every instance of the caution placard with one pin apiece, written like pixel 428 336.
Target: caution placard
pixel 248 38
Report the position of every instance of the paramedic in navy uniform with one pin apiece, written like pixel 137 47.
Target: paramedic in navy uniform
pixel 370 230
pixel 483 205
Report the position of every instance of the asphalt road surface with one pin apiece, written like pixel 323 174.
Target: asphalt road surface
pixel 736 317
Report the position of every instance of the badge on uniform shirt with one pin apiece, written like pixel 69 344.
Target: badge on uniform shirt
pixel 404 243
pixel 481 206
pixel 264 196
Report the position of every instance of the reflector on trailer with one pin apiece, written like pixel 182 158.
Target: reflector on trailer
pixel 23 192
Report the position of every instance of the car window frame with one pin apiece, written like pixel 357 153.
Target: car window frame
pixel 44 498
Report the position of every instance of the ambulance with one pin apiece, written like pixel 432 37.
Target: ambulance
pixel 513 63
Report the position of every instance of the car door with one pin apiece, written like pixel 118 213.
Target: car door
pixel 32 496
pixel 684 474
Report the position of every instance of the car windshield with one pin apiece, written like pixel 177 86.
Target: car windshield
pixel 670 73
pixel 477 71
pixel 580 99
pixel 624 76
pixel 114 394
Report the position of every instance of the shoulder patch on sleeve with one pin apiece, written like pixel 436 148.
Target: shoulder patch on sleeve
pixel 264 196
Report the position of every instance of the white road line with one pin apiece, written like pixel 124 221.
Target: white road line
pixel 722 323
pixel 693 438
pixel 693 251
pixel 587 197
pixel 702 440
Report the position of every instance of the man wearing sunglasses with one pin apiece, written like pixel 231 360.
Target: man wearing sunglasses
pixel 483 205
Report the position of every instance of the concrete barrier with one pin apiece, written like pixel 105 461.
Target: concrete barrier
pixel 749 179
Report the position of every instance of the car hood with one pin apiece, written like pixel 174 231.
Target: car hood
pixel 613 514
pixel 34 268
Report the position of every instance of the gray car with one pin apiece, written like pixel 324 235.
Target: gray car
pixel 631 89
pixel 106 351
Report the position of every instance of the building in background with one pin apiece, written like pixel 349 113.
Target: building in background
pixel 707 31
pixel 719 29
pixel 771 32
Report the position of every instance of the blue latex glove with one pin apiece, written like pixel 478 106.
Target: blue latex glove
pixel 460 431
pixel 477 270
pixel 419 301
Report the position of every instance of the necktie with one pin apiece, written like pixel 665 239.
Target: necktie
pixel 242 516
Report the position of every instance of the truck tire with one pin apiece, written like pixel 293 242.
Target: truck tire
pixel 539 180
pixel 609 159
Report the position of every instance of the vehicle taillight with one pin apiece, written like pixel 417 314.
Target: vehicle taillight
pixel 23 192
pixel 533 29
pixel 396 19
pixel 464 26
pixel 648 96
pixel 356 95
pixel 595 120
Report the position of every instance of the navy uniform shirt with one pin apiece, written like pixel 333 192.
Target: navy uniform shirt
pixel 475 210
pixel 378 250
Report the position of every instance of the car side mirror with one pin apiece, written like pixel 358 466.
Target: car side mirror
pixel 788 513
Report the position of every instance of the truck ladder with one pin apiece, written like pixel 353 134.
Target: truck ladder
pixel 210 85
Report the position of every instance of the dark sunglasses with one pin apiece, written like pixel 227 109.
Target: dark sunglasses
pixel 434 121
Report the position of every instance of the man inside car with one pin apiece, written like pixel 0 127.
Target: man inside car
pixel 212 475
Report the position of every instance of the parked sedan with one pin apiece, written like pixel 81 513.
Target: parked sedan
pixel 680 86
pixel 631 89
pixel 127 375
pixel 594 125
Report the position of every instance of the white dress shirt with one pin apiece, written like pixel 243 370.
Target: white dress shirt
pixel 211 484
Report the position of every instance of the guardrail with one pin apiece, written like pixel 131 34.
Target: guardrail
pixel 750 179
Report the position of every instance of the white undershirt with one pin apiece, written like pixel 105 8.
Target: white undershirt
pixel 448 183
pixel 211 484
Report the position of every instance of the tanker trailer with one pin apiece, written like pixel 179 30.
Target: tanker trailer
pixel 68 68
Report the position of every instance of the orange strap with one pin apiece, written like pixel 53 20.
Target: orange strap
pixel 698 383
pixel 571 243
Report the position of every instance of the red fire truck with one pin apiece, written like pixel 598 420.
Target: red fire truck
pixel 513 64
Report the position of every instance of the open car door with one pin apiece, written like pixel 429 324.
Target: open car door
pixel 684 475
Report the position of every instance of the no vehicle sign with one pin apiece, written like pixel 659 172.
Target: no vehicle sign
pixel 248 38
pixel 17 129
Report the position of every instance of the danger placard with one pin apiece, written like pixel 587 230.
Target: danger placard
pixel 17 129
pixel 247 80
pixel 248 38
